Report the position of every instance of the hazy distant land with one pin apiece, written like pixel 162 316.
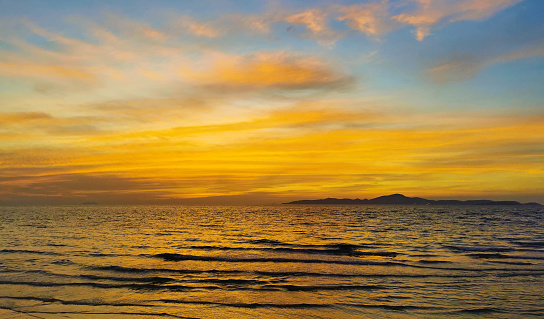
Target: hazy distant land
pixel 400 199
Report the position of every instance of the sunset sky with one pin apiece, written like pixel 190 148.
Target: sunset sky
pixel 248 102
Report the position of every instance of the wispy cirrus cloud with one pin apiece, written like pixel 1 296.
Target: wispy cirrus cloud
pixel 433 13
pixel 316 23
pixel 187 24
pixel 372 19
pixel 115 109
pixel 131 58
pixel 462 67
pixel 130 28
pixel 43 72
pixel 380 17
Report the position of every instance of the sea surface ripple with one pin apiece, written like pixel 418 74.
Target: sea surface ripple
pixel 285 261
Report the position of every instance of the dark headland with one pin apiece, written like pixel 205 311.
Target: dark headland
pixel 399 199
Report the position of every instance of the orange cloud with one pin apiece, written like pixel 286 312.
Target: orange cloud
pixel 196 28
pixel 369 18
pixel 158 123
pixel 132 28
pixel 10 118
pixel 430 12
pixel 262 70
pixel 107 64
pixel 315 21
pixel 44 131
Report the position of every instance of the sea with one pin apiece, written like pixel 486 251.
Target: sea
pixel 283 261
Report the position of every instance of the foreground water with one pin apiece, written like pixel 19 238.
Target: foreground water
pixel 272 262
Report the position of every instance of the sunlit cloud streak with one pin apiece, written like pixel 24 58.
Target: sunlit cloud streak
pixel 372 19
pixel 271 103
pixel 316 23
pixel 288 147
pixel 267 69
pixel 461 67
pixel 431 13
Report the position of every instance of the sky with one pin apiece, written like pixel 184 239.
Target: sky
pixel 260 102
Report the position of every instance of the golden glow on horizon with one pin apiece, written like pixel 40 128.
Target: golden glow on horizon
pixel 306 153
pixel 281 104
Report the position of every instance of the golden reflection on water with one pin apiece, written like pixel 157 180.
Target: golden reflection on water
pixel 271 262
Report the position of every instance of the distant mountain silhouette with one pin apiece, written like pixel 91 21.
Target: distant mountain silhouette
pixel 399 199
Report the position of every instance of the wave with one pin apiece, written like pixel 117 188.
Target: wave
pixel 295 305
pixel 51 253
pixel 163 270
pixel 93 302
pixel 518 263
pixel 63 262
pixel 156 280
pixel 478 248
pixel 322 250
pixel 133 286
pixel 86 313
pixel 232 281
pixel 249 305
pixel 179 288
pixel 344 275
pixel 254 305
pixel 502 256
pixel 389 307
pixel 321 287
pixel 529 244
pixel 523 273
pixel 56 245
pixel 181 257
pixel 131 270
pixel 25 251
pixel 333 246
pixel 478 311
pixel 266 241
pixel 139 280
pixel 426 261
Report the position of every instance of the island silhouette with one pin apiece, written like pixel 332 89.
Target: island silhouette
pixel 399 199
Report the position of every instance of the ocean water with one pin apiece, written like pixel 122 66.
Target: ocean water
pixel 272 262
